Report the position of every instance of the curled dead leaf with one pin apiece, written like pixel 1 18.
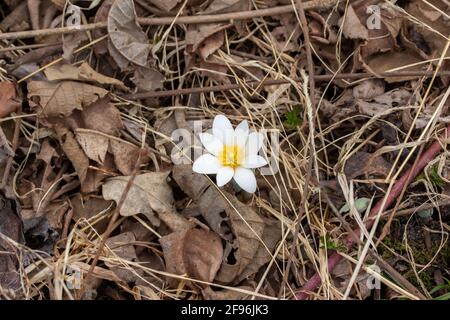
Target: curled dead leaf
pixel 195 252
pixel 83 73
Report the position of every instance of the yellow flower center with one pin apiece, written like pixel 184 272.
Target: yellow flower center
pixel 230 156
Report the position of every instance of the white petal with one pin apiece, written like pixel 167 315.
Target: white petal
pixel 245 178
pixel 229 137
pixel 243 126
pixel 224 175
pixel 254 143
pixel 241 134
pixel 254 161
pixel 206 164
pixel 211 143
pixel 221 124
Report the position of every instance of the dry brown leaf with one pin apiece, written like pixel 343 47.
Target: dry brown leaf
pixel 205 39
pixel 126 35
pixel 393 60
pixel 396 97
pixel 125 155
pixel 122 247
pixel 73 151
pixel 83 73
pixel 149 192
pixel 104 113
pixel 94 178
pixel 270 238
pixel 195 252
pixel 245 224
pixel 7 96
pixel 147 79
pixel 369 89
pixel 384 102
pixel 90 206
pixel 94 145
pixel 61 98
pixel 371 108
pixel 363 163
pixel 352 27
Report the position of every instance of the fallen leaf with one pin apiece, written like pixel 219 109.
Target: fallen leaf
pixel 371 108
pixel 125 155
pixel 362 163
pixel 270 237
pixel 147 79
pixel 90 206
pixel 125 33
pixel 195 252
pixel 428 37
pixel 352 26
pixel 369 89
pixel 377 64
pixel 246 225
pixel 61 98
pixel 205 39
pixel 7 96
pixel 94 145
pixel 122 247
pixel 94 178
pixel 104 113
pixel 149 193
pixel 74 152
pixel 83 73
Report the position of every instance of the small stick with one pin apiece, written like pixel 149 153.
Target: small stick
pixel 199 19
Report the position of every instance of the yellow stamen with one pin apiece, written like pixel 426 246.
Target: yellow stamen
pixel 230 156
